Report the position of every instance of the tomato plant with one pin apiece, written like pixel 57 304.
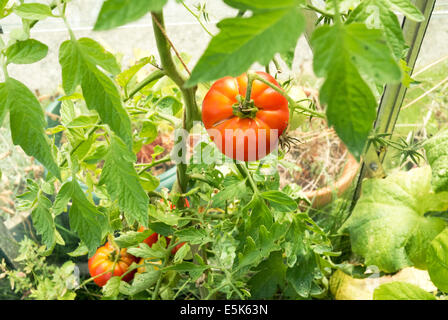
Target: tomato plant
pixel 250 121
pixel 173 164
pixel 108 262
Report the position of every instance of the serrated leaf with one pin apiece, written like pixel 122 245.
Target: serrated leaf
pixel 62 199
pixel 229 193
pixel 227 53
pixel 358 44
pixel 377 14
pixel 169 105
pixel 124 77
pixel 194 269
pixel 112 287
pixel 193 235
pixel 115 13
pixel 437 153
pixel 33 11
pixel 122 182
pixel 132 238
pixel 255 251
pixel 26 52
pixel 81 250
pixel 398 290
pixel 271 274
pixel 302 274
pixel 143 281
pixel 85 219
pixel 96 53
pixel 407 8
pixel 281 201
pixel 437 261
pixel 43 221
pixel 70 59
pixel 78 60
pixel 146 252
pixel 102 95
pixel 27 122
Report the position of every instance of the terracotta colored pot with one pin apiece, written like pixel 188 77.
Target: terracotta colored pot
pixel 323 196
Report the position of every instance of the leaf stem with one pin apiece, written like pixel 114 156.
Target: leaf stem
pixel 337 16
pixel 242 168
pixel 156 75
pixel 291 101
pixel 198 18
pixel 191 110
pixel 153 164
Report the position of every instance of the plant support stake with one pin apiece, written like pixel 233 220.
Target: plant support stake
pixel 393 96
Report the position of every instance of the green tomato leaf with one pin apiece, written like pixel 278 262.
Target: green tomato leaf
pixel 271 275
pixel 279 200
pixel 115 13
pixel 146 252
pixel 341 50
pixel 33 11
pixel 398 290
pixel 262 35
pixel 70 59
pixel 256 251
pixel 123 184
pixel 102 95
pixel 43 221
pixel 358 44
pixel 95 53
pixel 388 226
pixel 378 15
pixel 26 52
pixel 193 235
pixel 437 261
pixel 132 238
pixel 27 122
pixel 124 77
pixel 406 8
pixel 301 275
pixel 112 287
pixel 141 282
pixel 79 60
pixel 194 269
pixel 437 153
pixel 85 219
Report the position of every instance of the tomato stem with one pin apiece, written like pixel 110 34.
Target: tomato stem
pixel 291 101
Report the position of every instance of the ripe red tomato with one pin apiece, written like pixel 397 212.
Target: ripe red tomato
pixel 246 130
pixel 151 239
pixel 103 260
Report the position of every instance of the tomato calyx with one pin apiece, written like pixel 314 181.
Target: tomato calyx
pixel 245 109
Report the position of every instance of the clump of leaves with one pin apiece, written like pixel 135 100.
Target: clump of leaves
pixel 36 279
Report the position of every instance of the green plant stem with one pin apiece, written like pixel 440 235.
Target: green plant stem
pixel 191 110
pixel 277 65
pixel 155 75
pixel 250 81
pixel 290 100
pixel 337 16
pixel 242 168
pixel 316 9
pixel 165 262
pixel 197 17
pixel 153 164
